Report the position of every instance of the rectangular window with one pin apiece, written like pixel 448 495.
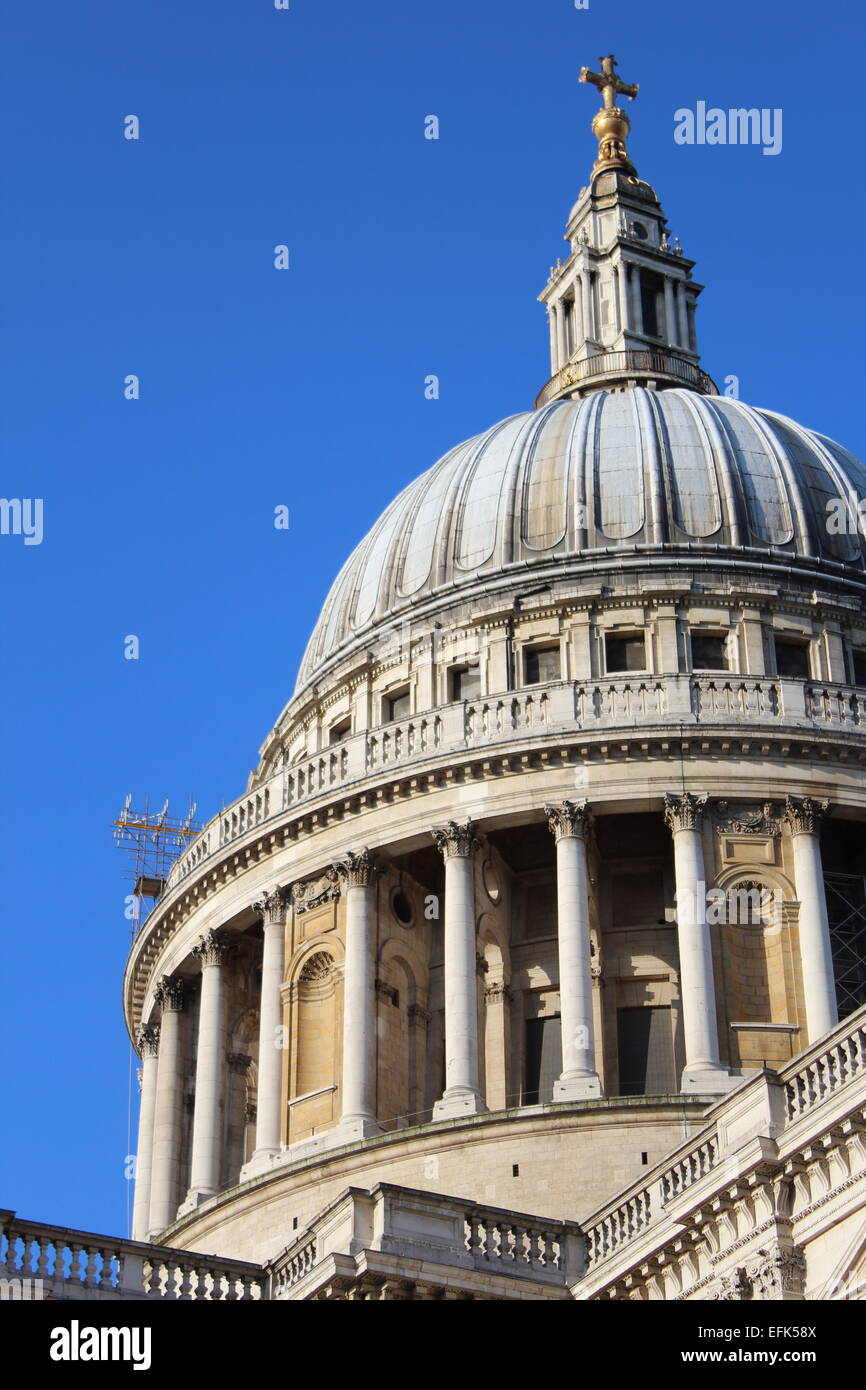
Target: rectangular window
pixel 338 732
pixel 858 666
pixel 650 288
pixel 709 652
pixel 624 653
pixel 465 682
pixel 543 1058
pixel 646 1051
pixel 792 659
pixel 541 664
pixel 397 705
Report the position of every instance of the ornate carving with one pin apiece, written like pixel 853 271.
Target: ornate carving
pixel 803 814
pixel 212 949
pixel 733 1287
pixel 498 993
pixel 356 869
pixel 481 965
pixel 147 1040
pixel 239 1061
pixel 569 820
pixel 777 1273
pixel 170 994
pixel 418 1015
pixel 455 841
pixel 748 820
pixel 312 892
pixel 684 812
pixel 316 969
pixel 272 906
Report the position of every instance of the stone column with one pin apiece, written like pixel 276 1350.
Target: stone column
pixel 165 1175
pixel 554 354
pixel 210 1071
pixel 703 1070
pixel 683 313
pixel 671 327
pixel 579 1077
pixel 560 333
pixel 148 1048
pixel 497 1001
pixel 624 307
pixel 803 816
pixel 273 908
pixel 457 845
pixel 637 306
pixel 586 301
pixel 358 1116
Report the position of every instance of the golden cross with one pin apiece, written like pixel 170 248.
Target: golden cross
pixel 608 83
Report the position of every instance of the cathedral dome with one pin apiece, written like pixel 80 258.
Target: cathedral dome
pixel 628 472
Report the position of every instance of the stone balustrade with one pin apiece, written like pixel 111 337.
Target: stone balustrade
pixel 560 707
pixel 439 1234
pixel 772 1114
pixel 47 1261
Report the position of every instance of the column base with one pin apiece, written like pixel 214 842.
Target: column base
pixel 262 1161
pixel 194 1198
pixel 577 1088
pixel 344 1132
pixel 708 1080
pixel 451 1107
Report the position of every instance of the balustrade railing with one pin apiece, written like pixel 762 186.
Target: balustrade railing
pixel 585 705
pixel 820 1075
pixel 60 1263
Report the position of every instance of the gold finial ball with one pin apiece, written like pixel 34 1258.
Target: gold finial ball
pixel 610 123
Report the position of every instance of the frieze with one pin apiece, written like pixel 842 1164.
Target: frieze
pixel 738 819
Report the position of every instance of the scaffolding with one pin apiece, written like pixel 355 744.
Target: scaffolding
pixel 153 840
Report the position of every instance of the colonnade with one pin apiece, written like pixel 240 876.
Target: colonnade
pixel 160 1130
pixel 674 323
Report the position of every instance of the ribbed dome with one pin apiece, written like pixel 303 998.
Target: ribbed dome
pixel 613 471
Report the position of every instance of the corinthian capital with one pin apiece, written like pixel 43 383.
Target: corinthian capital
pixel 170 994
pixel 272 906
pixel 147 1040
pixel 803 814
pixel 212 948
pixel 356 869
pixel 568 820
pixel 455 841
pixel 684 812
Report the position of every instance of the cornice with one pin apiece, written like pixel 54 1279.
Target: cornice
pixel 347 804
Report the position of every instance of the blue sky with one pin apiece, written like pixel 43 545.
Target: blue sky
pixel 305 388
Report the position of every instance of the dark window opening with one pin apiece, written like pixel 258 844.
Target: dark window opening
pixel 650 288
pixel 646 1051
pixel 858 666
pixel 709 652
pixel 624 653
pixel 397 705
pixel 543 1058
pixel 340 731
pixel 846 913
pixel 402 908
pixel 792 659
pixel 541 664
pixel 515 1170
pixel 465 682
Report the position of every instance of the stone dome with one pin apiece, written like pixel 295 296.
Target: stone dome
pixel 615 471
